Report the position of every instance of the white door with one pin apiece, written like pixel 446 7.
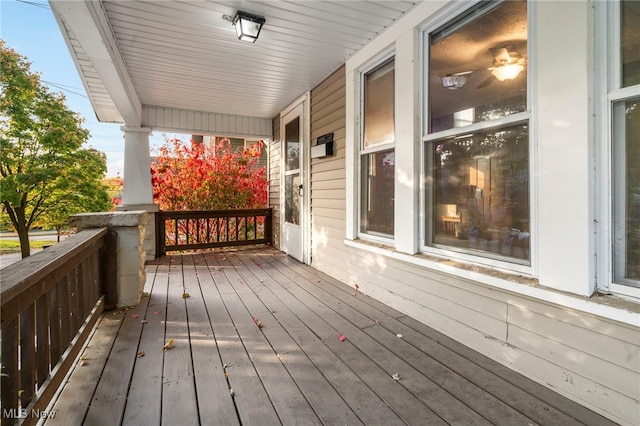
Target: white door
pixel 293 190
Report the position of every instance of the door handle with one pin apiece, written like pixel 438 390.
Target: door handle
pixel 300 190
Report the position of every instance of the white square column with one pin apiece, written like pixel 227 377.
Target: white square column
pixel 137 191
pixel 137 188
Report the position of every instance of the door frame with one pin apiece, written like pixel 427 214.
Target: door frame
pixel 305 174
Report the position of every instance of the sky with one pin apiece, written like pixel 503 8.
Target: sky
pixel 29 28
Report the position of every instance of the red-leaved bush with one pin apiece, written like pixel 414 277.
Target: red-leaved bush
pixel 199 176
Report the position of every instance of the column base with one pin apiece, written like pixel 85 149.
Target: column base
pixel 150 226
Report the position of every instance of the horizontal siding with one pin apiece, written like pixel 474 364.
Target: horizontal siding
pixel 328 174
pixel 334 194
pixel 172 119
pixel 331 203
pixel 338 224
pixel 575 362
pixel 275 151
pixel 608 341
pixel 327 184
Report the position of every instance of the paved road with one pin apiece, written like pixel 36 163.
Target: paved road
pixel 33 236
pixel 10 258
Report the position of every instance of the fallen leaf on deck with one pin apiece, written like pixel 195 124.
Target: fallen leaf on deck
pixel 157 312
pixel 353 294
pixel 145 294
pixel 396 377
pixel 84 356
pixel 378 322
pixel 140 354
pixel 185 295
pixel 231 392
pixel 258 323
pixel 342 338
pixel 135 316
pixel 144 321
pixel 83 363
pixel 399 335
pixel 168 345
pixel 357 286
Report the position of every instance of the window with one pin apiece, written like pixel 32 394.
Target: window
pixel 377 156
pixel 625 128
pixel 476 142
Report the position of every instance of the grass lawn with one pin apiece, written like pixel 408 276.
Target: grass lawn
pixel 10 246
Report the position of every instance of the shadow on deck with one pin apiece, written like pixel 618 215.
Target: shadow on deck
pixel 256 341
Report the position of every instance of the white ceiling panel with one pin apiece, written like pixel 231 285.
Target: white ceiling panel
pixel 185 55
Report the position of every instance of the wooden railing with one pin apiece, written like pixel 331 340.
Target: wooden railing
pixel 202 229
pixel 50 302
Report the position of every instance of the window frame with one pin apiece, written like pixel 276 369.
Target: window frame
pixel 427 139
pixel 612 92
pixel 368 67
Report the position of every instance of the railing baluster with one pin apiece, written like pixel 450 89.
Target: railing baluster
pixel 54 325
pixel 73 302
pixel 255 227
pixel 42 333
pixel 63 298
pixel 83 298
pixel 10 379
pixel 27 355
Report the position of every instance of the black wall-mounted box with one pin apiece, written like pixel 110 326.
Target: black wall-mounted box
pixel 323 147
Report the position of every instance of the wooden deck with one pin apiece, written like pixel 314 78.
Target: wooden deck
pixel 256 341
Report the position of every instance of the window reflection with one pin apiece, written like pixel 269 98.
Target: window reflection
pixel 466 60
pixel 477 192
pixel 292 134
pixel 292 199
pixel 378 171
pixel 481 192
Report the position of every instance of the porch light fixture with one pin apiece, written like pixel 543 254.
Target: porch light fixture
pixel 507 71
pixel 248 26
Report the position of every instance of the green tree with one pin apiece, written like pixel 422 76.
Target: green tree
pixel 44 170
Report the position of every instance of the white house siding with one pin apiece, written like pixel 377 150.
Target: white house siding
pixel 274 150
pixel 587 349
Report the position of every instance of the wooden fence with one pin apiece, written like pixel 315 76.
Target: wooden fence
pixel 202 229
pixel 50 302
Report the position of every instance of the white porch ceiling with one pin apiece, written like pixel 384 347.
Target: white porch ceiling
pixel 183 55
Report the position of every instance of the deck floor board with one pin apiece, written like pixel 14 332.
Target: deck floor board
pixel 144 401
pixel 257 342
